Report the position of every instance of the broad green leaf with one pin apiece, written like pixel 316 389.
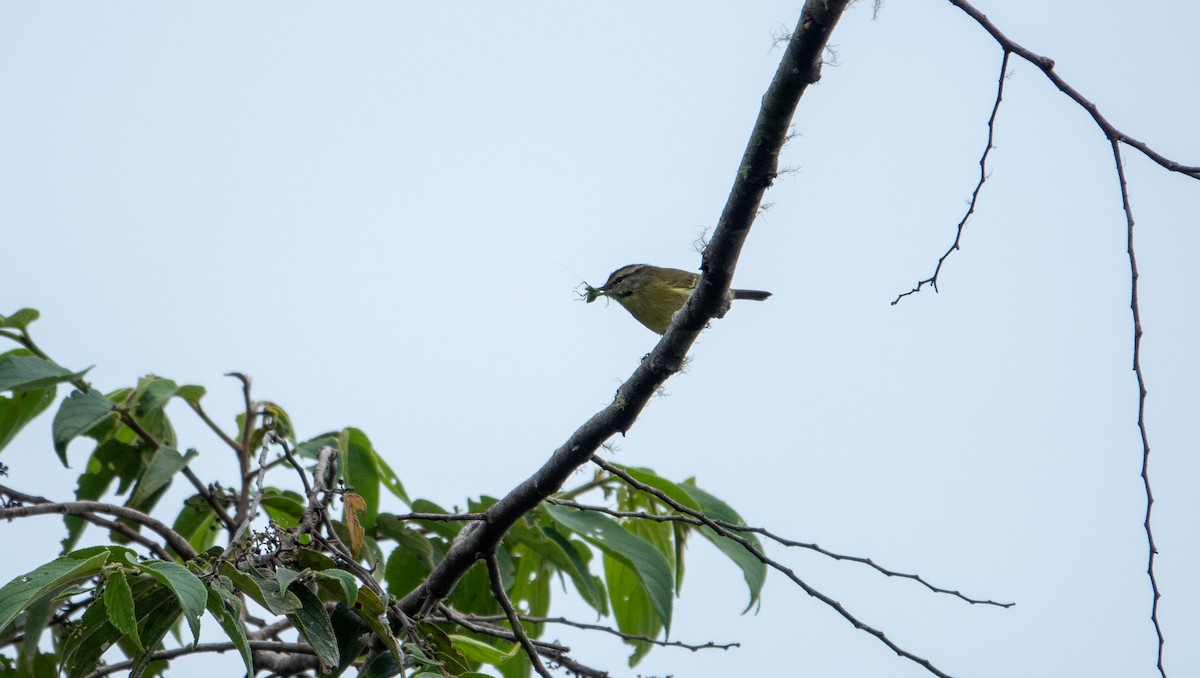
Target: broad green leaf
pixel 479 651
pixel 673 490
pixel 152 393
pixel 263 591
pixel 386 665
pixel 632 608
pixel 111 459
pixel 20 319
pixel 448 657
pixel 370 609
pixel 312 621
pixel 45 580
pixel 651 568
pixel 20 371
pixel 346 582
pixel 389 479
pixel 409 563
pixel 754 571
pixel 350 630
pixel 187 588
pixel 36 617
pixel 473 593
pixel 195 523
pixel 530 590
pixel 589 585
pixel 226 608
pixel 283 506
pixel 285 576
pixel 118 602
pixel 20 409
pixel 165 463
pixel 191 393
pixel 78 414
pixel 361 473
pixel 157 609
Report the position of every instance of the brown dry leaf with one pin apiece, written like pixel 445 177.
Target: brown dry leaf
pixel 352 505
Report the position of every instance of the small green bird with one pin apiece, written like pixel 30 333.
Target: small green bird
pixel 652 294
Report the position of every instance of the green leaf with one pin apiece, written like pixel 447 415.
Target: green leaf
pixel 283 506
pixel 111 459
pixel 754 571
pixel 651 568
pixel 350 630
pixel 673 490
pixel 312 621
pixel 479 651
pixel 118 602
pixel 187 588
pixel 361 473
pixel 631 607
pixel 20 409
pixel 48 579
pixel 19 320
pixel 386 665
pixel 346 581
pixel 20 371
pixel 264 591
pixel 152 393
pixel 191 393
pixel 409 563
pixel 371 609
pixel 226 608
pixel 157 610
pixel 588 585
pixel 195 523
pixel 36 617
pixel 389 479
pixel 165 463
pixel 78 414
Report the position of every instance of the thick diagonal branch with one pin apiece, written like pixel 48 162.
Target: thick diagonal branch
pixel 800 67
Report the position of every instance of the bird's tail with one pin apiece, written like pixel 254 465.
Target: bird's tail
pixel 757 295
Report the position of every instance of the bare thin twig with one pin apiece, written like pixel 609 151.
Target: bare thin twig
pixel 932 280
pixel 776 538
pixel 265 645
pixel 1141 384
pixel 513 620
pixel 762 557
pixel 694 647
pixel 83 508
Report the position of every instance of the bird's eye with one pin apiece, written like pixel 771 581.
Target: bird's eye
pixel 618 280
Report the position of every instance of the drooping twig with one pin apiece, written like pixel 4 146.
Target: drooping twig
pixel 694 647
pixel 932 280
pixel 1046 66
pixel 83 508
pixel 256 645
pixel 513 620
pixel 762 557
pixel 776 538
pixel 1141 384
pixel 120 528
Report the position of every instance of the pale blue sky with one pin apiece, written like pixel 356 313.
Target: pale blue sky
pixel 368 208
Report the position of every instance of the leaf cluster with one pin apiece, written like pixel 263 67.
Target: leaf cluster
pixel 265 553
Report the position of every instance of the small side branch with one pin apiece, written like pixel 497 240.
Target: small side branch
pixel 640 515
pixel 85 508
pixel 762 557
pixel 1141 384
pixel 932 280
pixel 513 620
